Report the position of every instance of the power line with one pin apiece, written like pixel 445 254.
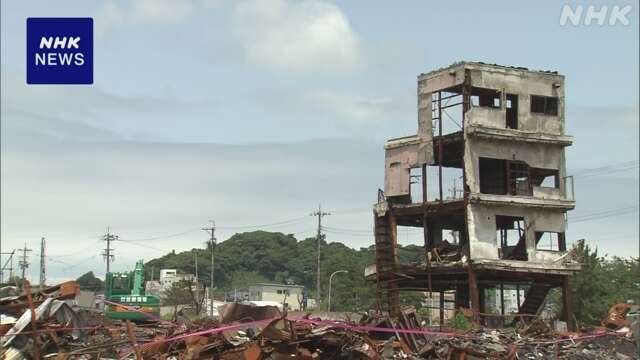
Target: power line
pixel 285 222
pixel 604 215
pixel 604 211
pixel 90 246
pixel 349 234
pixel 76 264
pixel 607 169
pixel 354 210
pixel 146 246
pixel 155 238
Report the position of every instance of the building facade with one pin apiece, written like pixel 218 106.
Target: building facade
pixel 289 296
pixel 498 133
pixel 169 277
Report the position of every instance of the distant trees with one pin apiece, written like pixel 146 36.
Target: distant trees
pixel 262 256
pixel 90 282
pixel 601 283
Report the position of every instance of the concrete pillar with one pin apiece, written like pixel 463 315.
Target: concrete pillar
pixel 474 296
pixel 566 301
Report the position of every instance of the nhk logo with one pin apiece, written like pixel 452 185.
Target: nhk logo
pixel 57 58
pixel 59 51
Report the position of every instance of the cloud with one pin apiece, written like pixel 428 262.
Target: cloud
pixel 144 190
pixel 356 109
pixel 279 35
pixel 307 36
pixel 117 13
pixel 79 113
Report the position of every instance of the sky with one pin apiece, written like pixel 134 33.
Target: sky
pixel 252 112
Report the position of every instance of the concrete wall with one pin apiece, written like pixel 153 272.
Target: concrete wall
pixel 265 292
pixel 539 155
pixel 524 84
pixel 398 163
pixel 483 239
pixel 506 80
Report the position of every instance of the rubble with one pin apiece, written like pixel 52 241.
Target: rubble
pixel 617 316
pixel 52 329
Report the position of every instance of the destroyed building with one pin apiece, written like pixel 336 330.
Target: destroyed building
pixel 499 132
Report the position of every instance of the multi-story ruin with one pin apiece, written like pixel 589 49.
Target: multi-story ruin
pixel 498 132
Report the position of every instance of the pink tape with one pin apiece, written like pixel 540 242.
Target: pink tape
pixel 203 332
pixel 346 326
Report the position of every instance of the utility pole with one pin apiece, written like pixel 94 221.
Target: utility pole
pixel 212 242
pixel 196 261
pixel 43 274
pixel 5 267
pixel 196 276
pixel 23 263
pixel 319 214
pixel 107 253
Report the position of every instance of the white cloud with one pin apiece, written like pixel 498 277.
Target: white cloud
pixel 307 36
pixel 356 109
pixel 114 14
pixel 73 191
pixel 79 113
pixel 162 10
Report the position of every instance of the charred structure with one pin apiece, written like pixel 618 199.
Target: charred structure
pixel 498 132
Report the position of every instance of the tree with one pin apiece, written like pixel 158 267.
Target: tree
pixel 177 294
pixel 242 279
pixel 599 284
pixel 90 282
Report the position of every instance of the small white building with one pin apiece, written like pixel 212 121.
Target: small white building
pixel 290 296
pixel 170 276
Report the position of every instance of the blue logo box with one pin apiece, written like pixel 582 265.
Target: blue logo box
pixel 59 51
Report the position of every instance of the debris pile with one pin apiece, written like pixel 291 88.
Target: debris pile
pixel 44 326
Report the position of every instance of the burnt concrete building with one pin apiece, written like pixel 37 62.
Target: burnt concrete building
pixel 498 132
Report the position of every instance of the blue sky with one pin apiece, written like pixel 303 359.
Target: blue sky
pixel 252 112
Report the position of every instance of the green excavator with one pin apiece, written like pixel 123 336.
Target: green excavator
pixel 125 293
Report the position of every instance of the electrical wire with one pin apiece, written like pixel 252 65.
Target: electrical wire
pixel 146 246
pixel 608 169
pixel 163 237
pixel 351 211
pixel 604 215
pixel 285 222
pixel 75 252
pixel 604 211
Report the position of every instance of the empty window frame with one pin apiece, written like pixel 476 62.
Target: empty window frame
pixel 485 97
pixel 544 105
pixel 550 241
pixel 505 177
pixel 548 178
pixel 518 178
pixel 511 105
pixel 493 176
pixel 511 234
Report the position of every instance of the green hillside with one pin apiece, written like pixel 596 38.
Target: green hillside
pixel 261 256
